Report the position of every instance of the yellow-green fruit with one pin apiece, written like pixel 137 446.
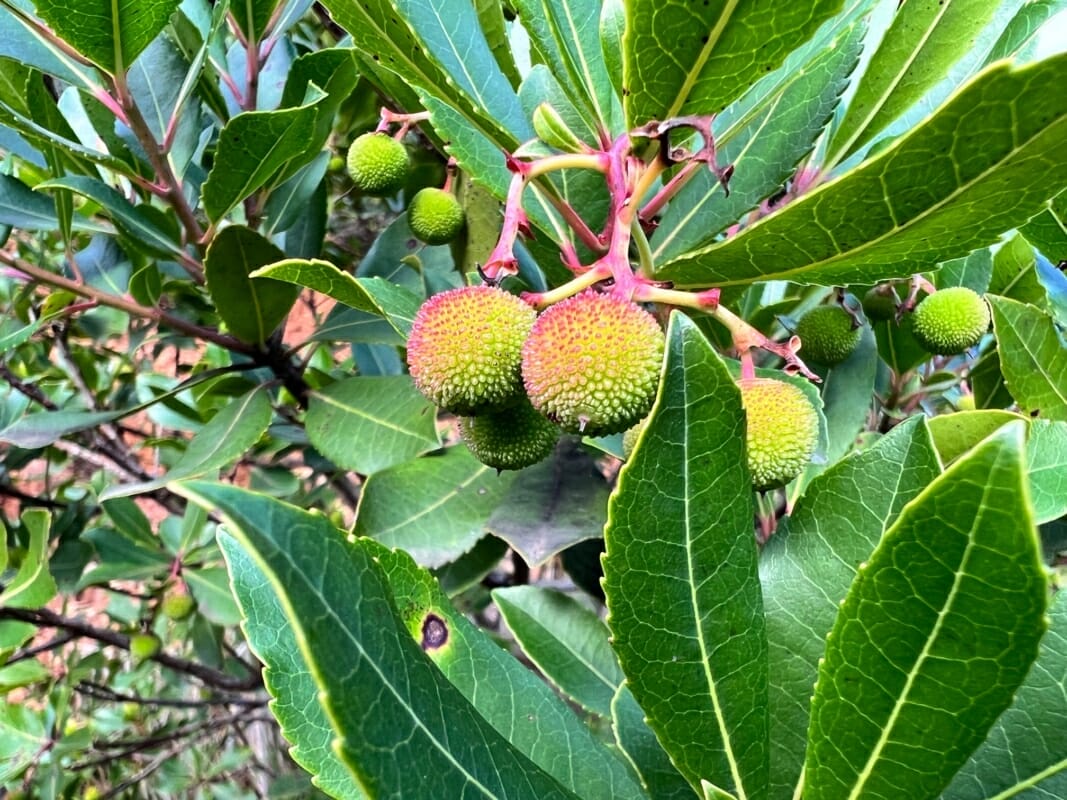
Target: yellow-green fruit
pixel 511 438
pixel 378 164
pixel 783 430
pixel 950 320
pixel 465 348
pixel 143 645
pixel 435 216
pixel 881 303
pixel 966 402
pixel 90 793
pixel 591 363
pixel 177 605
pixel 828 335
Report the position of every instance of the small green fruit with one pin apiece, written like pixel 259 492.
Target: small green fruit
pixel 951 320
pixel 783 430
pixel 880 303
pixel 465 348
pixel 435 216
pixel 828 335
pixel 591 363
pixel 177 605
pixel 966 402
pixel 143 645
pixel 90 793
pixel 512 438
pixel 378 164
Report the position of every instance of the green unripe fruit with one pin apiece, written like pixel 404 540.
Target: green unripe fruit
pixel 783 430
pixel 966 402
pixel 629 439
pixel 591 363
pixel 512 438
pixel 435 216
pixel 177 605
pixel 378 164
pixel 143 645
pixel 827 335
pixel 950 320
pixel 880 303
pixel 465 348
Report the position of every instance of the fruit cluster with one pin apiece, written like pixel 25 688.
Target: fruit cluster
pixel 378 164
pixel 588 364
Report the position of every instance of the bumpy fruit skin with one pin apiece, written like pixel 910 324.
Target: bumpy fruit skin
pixel 880 303
pixel 465 348
pixel 435 216
pixel 512 438
pixel 950 320
pixel 143 645
pixel 591 363
pixel 177 606
pixel 378 164
pixel 827 335
pixel 783 430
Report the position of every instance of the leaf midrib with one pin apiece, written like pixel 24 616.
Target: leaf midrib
pixel 698 64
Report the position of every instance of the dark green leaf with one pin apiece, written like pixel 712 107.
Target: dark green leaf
pixel 367 424
pixel 253 15
pixel 1048 230
pixel 985 162
pixel 388 704
pixel 696 58
pixel 922 42
pixel 251 307
pixel 32 586
pixel 680 577
pixel 1033 357
pixel 638 743
pixel 111 33
pixel 974 271
pixel 1025 754
pixel 23 43
pixel 469 569
pixel 846 396
pixel 287 676
pixel 909 688
pixel 1015 273
pixel 258 146
pixel 511 698
pixel 434 507
pixel 566 641
pixel 807 566
pixel 955 434
pixel 211 588
pixel 558 502
pixel 374 295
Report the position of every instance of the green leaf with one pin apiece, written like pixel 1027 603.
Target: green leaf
pixel 1024 27
pixel 638 743
pixel 21 207
pixel 923 41
pixel 438 45
pixel 1033 357
pixel 695 59
pixel 211 588
pixel 287 677
pixel 258 146
pixel 251 307
pixel 1046 464
pixel 121 556
pixel 561 501
pixel 253 15
pixel 680 578
pixel 43 428
pixel 764 135
pixel 1015 273
pixel 511 697
pixel 374 295
pixel 985 162
pixel 111 33
pixel 1048 230
pixel 388 704
pixel 1025 753
pixel 435 507
pixel 908 689
pixel 566 641
pixel 23 42
pixel 130 219
pixel 367 424
pixel 846 396
pixel 468 570
pixel 229 434
pixel 566 33
pixel 808 564
pixel 32 585
pixel 955 434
